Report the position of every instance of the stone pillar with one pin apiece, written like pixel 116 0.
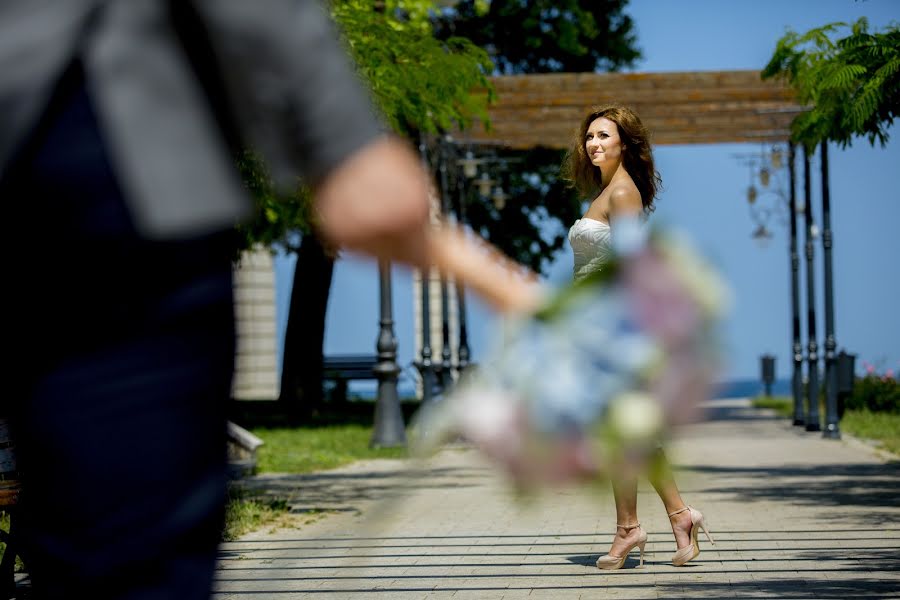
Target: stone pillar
pixel 256 363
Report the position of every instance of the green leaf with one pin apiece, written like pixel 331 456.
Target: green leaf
pixel 851 82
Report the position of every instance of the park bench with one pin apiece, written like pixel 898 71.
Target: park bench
pixel 242 448
pixel 342 368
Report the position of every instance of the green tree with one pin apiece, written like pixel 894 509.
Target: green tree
pixel 851 84
pixel 419 83
pixel 538 36
pixel 546 36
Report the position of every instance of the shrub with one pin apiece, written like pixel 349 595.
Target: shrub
pixel 877 393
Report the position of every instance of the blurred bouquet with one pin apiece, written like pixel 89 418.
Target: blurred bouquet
pixel 597 377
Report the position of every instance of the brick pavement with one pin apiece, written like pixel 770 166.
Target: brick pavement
pixel 793 515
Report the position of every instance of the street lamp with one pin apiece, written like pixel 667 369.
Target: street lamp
pixel 831 378
pixel 796 344
pixel 455 173
pixel 812 387
pixel 445 370
pixel 768 165
pixel 458 174
pixel 388 430
pixel 425 364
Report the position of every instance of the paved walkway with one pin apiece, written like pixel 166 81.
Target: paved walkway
pixel 793 515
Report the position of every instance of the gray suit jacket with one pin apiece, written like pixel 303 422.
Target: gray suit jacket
pixel 163 74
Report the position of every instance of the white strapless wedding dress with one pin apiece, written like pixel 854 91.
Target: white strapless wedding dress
pixel 591 245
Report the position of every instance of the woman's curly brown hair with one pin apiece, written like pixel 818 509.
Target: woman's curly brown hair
pixel 584 176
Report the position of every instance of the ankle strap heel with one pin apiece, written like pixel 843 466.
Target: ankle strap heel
pixel 612 562
pixel 690 552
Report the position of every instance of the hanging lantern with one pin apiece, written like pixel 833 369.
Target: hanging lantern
pixel 761 234
pixel 499 197
pixel 751 194
pixel 484 183
pixel 764 177
pixel 469 164
pixel 777 158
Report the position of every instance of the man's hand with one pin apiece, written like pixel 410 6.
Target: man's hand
pixel 376 202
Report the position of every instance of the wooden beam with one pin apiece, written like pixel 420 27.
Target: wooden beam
pixel 678 108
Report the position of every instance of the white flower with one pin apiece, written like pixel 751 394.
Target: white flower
pixel 635 416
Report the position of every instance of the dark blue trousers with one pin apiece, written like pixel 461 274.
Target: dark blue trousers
pixel 123 352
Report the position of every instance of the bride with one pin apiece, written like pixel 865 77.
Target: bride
pixel 612 161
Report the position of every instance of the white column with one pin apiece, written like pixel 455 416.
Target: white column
pixel 256 369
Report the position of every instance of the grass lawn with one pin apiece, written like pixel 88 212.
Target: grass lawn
pixel 306 449
pixel 782 405
pixel 298 450
pixel 880 427
pixel 883 428
pixel 244 514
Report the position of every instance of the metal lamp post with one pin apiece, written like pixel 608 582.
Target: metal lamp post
pixel 457 174
pixel 832 429
pixel 462 352
pixel 446 368
pixel 812 387
pixel 455 170
pixel 796 344
pixel 425 364
pixel 769 168
pixel 389 430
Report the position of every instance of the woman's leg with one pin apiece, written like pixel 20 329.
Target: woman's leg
pixel 663 481
pixel 625 494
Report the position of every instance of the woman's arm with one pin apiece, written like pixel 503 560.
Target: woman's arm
pixel 376 203
pixel 507 285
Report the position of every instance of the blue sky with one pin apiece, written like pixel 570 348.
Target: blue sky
pixel 704 195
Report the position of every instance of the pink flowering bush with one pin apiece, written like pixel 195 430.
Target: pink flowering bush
pixel 874 391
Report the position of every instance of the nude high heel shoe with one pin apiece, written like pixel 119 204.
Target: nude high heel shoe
pixel 691 551
pixel 611 562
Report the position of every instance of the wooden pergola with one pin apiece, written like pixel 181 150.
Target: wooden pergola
pixel 705 107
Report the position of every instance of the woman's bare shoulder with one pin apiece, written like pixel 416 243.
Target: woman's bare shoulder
pixel 624 197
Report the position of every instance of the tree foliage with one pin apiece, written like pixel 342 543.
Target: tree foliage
pixel 850 83
pixel 278 216
pixel 538 36
pixel 428 72
pixel 546 36
pixel 418 82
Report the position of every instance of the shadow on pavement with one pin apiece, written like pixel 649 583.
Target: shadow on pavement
pixel 344 491
pixel 784 588
pixel 826 485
